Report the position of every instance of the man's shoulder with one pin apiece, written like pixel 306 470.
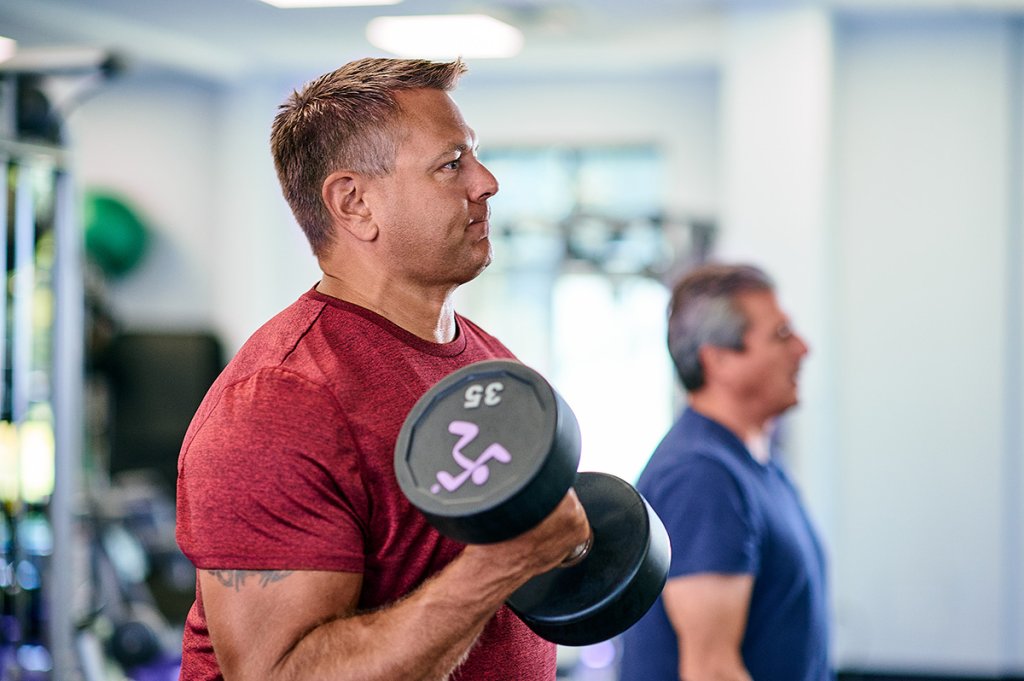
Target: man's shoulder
pixel 694 451
pixel 694 438
pixel 692 460
pixel 291 322
pixel 272 343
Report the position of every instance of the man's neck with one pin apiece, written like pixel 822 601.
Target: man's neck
pixel 746 426
pixel 428 315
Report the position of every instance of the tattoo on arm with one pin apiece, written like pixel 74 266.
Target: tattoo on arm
pixel 236 579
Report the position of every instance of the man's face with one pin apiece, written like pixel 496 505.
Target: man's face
pixel 765 372
pixel 432 209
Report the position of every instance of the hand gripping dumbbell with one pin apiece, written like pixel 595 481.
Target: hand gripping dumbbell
pixel 488 453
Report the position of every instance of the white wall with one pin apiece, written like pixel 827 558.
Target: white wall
pixel 924 149
pixel 264 261
pixel 677 113
pixel 153 142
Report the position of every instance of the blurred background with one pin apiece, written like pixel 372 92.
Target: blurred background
pixel 867 153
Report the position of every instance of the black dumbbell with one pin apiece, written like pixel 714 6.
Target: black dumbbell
pixel 488 453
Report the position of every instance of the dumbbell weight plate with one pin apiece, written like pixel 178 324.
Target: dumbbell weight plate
pixel 488 452
pixel 617 581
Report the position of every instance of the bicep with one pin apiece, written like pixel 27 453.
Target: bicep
pixel 256 618
pixel 709 613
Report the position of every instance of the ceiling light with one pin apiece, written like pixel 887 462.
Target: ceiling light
pixel 445 36
pixel 293 4
pixel 7 48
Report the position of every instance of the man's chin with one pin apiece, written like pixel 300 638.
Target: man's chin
pixel 470 275
pixel 487 259
pixel 786 405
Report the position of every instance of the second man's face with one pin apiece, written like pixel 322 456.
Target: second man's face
pixel 432 209
pixel 772 354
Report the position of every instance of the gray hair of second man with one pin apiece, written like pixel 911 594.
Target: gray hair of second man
pixel 704 311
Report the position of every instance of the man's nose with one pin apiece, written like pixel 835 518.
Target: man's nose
pixel 486 185
pixel 803 349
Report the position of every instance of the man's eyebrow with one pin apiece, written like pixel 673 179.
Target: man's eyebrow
pixel 459 147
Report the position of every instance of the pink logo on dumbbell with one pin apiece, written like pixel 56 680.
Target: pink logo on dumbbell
pixel 475 469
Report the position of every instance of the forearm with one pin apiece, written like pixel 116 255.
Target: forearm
pixel 420 638
pixel 708 612
pixel 717 668
pixel 307 626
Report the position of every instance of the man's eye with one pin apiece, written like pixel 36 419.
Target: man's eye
pixel 452 165
pixel 783 332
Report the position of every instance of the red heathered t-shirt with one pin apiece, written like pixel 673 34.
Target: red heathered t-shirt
pixel 288 465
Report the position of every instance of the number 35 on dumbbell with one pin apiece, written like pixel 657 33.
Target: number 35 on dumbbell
pixel 488 453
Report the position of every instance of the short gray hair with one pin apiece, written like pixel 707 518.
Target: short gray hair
pixel 345 119
pixel 703 311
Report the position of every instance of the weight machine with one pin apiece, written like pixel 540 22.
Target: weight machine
pixel 70 607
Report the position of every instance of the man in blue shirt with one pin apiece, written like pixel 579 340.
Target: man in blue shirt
pixel 745 598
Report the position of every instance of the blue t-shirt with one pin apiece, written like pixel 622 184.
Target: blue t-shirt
pixel 727 513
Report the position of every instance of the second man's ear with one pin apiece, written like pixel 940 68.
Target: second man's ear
pixel 342 194
pixel 711 359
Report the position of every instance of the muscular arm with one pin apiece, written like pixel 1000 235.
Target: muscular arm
pixel 271 626
pixel 709 614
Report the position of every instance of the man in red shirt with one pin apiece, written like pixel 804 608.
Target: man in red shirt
pixel 311 563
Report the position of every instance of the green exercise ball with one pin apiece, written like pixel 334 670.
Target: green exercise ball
pixel 115 237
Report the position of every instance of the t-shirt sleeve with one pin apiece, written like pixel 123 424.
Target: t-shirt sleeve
pixel 269 481
pixel 707 519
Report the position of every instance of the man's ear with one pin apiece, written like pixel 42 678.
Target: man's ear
pixel 342 194
pixel 710 359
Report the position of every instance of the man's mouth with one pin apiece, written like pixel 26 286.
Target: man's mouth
pixel 484 221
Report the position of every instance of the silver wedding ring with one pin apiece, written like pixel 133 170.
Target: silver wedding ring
pixel 579 553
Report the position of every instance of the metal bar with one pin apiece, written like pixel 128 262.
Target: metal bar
pixel 8 106
pixel 29 150
pixel 68 391
pixel 4 160
pixel 21 346
pixel 1013 402
pixel 24 283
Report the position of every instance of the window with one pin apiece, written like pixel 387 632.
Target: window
pixel 576 290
